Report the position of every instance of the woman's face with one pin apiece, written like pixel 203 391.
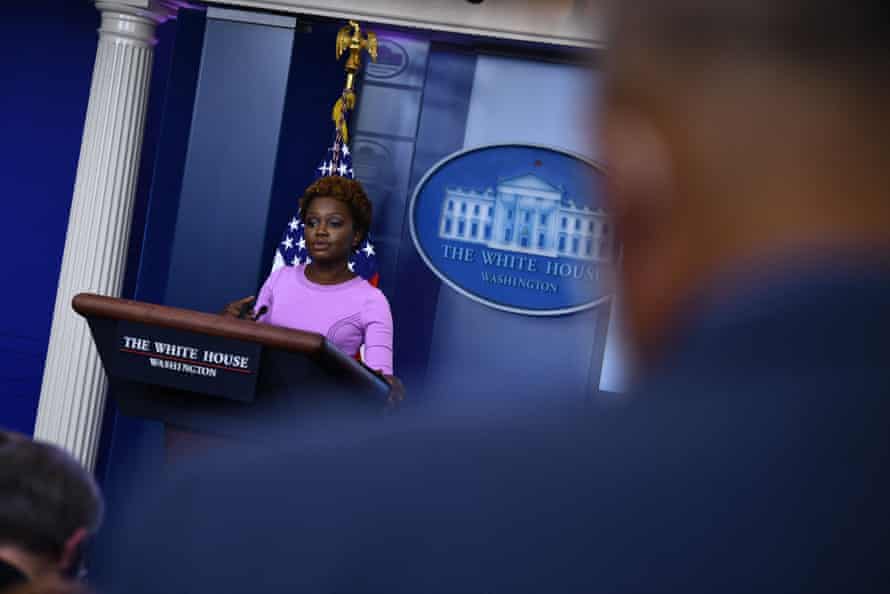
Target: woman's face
pixel 330 231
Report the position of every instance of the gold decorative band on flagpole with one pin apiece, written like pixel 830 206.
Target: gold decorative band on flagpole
pixel 350 39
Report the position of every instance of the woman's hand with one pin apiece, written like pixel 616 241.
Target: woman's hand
pixel 234 308
pixel 396 390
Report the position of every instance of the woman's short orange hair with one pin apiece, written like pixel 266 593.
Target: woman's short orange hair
pixel 348 191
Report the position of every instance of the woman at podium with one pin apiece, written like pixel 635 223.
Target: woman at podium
pixel 325 296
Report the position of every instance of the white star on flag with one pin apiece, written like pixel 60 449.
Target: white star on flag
pixel 294 224
pixel 301 245
pixel 288 243
pixel 368 249
pixel 296 261
pixel 342 169
pixel 351 266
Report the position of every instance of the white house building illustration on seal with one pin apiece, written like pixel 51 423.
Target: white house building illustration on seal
pixel 529 215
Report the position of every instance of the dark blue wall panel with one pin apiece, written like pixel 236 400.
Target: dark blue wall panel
pixel 166 176
pixel 230 164
pixel 443 119
pixel 45 68
pixel 385 128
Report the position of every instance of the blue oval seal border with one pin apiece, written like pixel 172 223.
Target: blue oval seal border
pixel 519 230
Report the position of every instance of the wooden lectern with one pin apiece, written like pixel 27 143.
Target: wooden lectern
pixel 208 374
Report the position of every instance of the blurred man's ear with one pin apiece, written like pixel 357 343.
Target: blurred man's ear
pixel 640 173
pixel 72 552
pixel 642 198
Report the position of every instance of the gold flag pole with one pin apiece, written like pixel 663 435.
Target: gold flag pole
pixel 350 39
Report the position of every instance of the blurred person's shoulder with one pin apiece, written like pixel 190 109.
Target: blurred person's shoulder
pixel 802 321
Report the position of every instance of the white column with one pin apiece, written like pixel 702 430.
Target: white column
pixel 72 397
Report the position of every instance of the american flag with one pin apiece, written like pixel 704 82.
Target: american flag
pixel 292 248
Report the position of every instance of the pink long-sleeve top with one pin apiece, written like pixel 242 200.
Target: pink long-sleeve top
pixel 348 314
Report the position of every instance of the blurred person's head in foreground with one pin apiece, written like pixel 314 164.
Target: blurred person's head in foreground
pixel 49 507
pixel 741 135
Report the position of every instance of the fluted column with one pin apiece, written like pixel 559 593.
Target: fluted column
pixel 72 397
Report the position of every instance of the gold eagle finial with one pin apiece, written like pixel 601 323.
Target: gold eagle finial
pixel 350 39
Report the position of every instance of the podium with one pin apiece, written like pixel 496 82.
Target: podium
pixel 205 374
